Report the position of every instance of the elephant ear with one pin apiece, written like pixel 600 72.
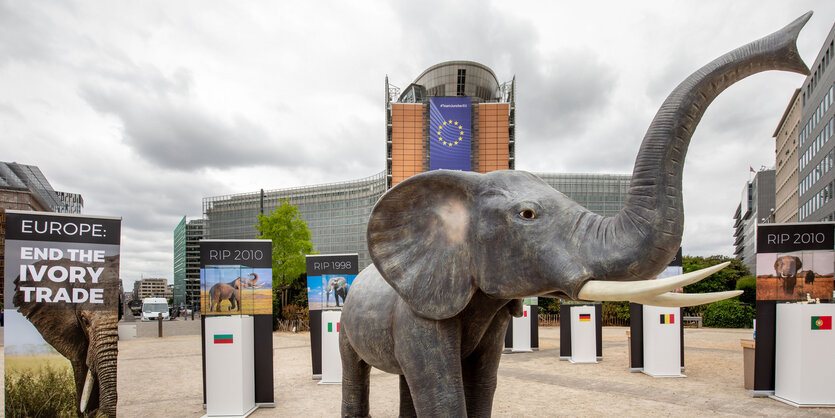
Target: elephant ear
pixel 798 264
pixel 420 237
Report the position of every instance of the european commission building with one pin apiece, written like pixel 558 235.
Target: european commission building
pixel 455 115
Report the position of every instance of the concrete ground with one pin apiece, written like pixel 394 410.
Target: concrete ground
pixel 161 377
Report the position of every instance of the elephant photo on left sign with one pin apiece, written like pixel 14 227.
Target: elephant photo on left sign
pixel 61 328
pixel 235 290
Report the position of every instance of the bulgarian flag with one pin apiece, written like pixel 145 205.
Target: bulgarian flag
pixel 668 318
pixel 584 317
pixel 331 326
pixel 223 338
pixel 822 322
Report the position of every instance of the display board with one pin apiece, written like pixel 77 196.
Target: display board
pixel 61 284
pixel 795 262
pixel 230 366
pixel 804 351
pixel 329 279
pixel 450 123
pixel 522 331
pixel 532 343
pixel 583 334
pixel 331 360
pixel 567 325
pixel 662 341
pixel 236 280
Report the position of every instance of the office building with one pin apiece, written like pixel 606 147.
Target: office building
pixel 456 106
pixel 187 236
pixel 69 202
pixel 785 162
pixel 816 153
pixel 756 206
pixel 150 288
pixel 455 115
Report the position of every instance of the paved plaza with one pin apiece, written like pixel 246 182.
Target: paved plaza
pixel 161 377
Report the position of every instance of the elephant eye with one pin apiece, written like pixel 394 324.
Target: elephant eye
pixel 527 214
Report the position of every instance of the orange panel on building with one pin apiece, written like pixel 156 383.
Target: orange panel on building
pixel 493 137
pixel 407 126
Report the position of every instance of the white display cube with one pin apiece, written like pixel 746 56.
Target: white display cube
pixel 804 350
pixel 230 366
pixel 583 334
pixel 331 359
pixel 662 341
pixel 522 331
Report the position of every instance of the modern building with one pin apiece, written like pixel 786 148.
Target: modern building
pixel 756 206
pixel 456 106
pixel 150 288
pixel 785 162
pixel 816 181
pixel 455 115
pixel 187 236
pixel 69 202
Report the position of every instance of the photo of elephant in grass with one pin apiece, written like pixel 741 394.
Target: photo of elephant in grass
pixel 87 338
pixel 454 252
pixel 339 287
pixel 231 291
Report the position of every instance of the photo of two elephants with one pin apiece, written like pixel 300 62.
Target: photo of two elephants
pixel 235 290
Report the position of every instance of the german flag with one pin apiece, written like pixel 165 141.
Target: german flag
pixel 668 318
pixel 584 317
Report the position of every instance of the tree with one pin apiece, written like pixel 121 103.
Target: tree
pixel 720 281
pixel 287 230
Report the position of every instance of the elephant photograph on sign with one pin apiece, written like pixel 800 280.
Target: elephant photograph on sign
pixel 339 287
pixel 86 337
pixel 796 276
pixel 236 290
pixel 455 252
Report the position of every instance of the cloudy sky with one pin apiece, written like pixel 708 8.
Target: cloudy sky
pixel 147 107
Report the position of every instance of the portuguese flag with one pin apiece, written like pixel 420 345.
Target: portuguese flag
pixel 224 338
pixel 331 326
pixel 821 322
pixel 668 318
pixel 584 317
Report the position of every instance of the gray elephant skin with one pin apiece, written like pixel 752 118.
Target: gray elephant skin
pixel 230 291
pixel 87 338
pixel 453 252
pixel 339 287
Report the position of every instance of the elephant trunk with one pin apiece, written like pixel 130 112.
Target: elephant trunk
pixel 643 238
pixel 102 360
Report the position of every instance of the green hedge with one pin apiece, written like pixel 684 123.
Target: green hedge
pixel 729 313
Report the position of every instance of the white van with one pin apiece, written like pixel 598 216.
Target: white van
pixel 152 308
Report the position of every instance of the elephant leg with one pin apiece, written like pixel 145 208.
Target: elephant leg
pixel 481 367
pixel 431 363
pixel 355 380
pixel 407 406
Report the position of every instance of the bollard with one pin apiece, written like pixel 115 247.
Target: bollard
pixel 160 325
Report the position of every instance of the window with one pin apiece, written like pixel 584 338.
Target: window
pixel 462 79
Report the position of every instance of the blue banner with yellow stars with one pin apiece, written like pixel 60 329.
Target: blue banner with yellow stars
pixel 450 130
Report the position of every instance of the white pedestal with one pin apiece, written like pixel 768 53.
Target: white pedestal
pixel 583 335
pixel 522 332
pixel 230 366
pixel 331 360
pixel 662 342
pixel 804 362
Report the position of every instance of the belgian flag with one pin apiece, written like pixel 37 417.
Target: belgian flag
pixel 668 318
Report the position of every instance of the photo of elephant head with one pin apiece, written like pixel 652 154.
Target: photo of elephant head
pixel 339 287
pixel 453 252
pixel 231 291
pixel 786 268
pixel 88 338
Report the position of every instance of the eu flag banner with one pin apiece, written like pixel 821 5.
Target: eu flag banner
pixel 450 128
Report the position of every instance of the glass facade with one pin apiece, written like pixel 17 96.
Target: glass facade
pixel 604 194
pixel 187 236
pixel 69 202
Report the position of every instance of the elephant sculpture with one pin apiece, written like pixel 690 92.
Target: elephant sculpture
pixel 87 338
pixel 454 251
pixel 231 291
pixel 339 287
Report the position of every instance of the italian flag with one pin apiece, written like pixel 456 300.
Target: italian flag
pixel 331 326
pixel 668 318
pixel 223 338
pixel 821 322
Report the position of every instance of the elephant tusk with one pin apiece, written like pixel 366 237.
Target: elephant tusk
pixel 634 290
pixel 676 300
pixel 87 391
